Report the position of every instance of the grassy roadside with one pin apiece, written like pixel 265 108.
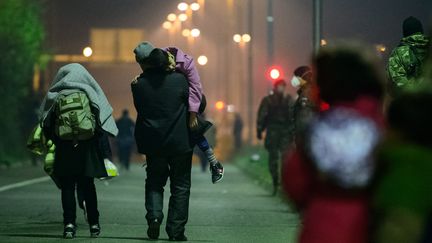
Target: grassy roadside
pixel 256 168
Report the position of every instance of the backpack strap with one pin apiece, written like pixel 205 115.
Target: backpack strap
pixel 415 63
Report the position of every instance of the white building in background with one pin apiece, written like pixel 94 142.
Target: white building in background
pixel 109 45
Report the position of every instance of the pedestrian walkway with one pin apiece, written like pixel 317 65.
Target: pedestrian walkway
pixel 235 210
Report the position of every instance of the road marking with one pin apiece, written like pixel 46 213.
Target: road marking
pixel 24 183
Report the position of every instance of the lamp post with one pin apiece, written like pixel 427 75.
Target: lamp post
pixel 270 32
pixel 242 40
pixel 250 73
pixel 317 30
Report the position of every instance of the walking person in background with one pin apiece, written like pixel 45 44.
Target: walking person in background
pixel 77 117
pixel 329 174
pixel 406 61
pixel 275 117
pixel 402 198
pixel 125 139
pixel 304 107
pixel 238 131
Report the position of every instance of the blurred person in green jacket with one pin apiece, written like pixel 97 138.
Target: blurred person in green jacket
pixel 402 199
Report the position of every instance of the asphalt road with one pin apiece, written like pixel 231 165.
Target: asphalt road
pixel 235 210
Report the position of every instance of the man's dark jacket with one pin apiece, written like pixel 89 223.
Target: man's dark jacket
pixel 161 101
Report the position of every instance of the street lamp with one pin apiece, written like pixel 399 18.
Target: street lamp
pixel 237 38
pixel 230 108
pixel 381 48
pixel 242 38
pixel 182 17
pixel 167 25
pixel 195 6
pixel 182 6
pixel 186 32
pixel 87 52
pixel 246 38
pixel 202 60
pixel 172 17
pixel 220 105
pixel 323 42
pixel 195 32
pixel 317 25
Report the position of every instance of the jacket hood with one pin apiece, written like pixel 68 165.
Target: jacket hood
pixel 418 40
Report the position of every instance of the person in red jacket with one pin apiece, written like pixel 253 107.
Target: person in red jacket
pixel 328 175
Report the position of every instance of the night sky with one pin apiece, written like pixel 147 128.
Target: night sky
pixel 375 22
pixel 370 20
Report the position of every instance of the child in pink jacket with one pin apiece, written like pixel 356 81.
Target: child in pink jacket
pixel 185 64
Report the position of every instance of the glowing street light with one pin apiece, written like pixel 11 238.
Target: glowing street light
pixel 195 32
pixel 237 38
pixel 246 38
pixel 242 38
pixel 381 48
pixel 220 105
pixel 167 25
pixel 230 108
pixel 202 60
pixel 195 6
pixel 182 6
pixel 186 32
pixel 87 52
pixel 172 17
pixel 182 17
pixel 323 42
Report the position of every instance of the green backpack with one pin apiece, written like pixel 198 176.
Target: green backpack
pixel 75 120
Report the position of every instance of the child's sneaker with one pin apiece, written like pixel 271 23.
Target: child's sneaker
pixel 69 231
pixel 217 172
pixel 94 230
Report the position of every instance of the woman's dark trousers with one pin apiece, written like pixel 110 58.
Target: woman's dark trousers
pixel 87 187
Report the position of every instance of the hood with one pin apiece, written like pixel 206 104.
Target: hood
pixel 341 144
pixel 418 41
pixel 75 77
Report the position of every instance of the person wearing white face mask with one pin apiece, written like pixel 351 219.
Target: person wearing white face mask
pixel 275 117
pixel 304 107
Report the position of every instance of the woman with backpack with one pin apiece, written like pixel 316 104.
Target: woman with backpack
pixel 77 117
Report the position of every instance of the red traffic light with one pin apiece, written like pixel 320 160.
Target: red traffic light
pixel 274 73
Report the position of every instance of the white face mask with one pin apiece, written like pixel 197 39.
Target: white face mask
pixel 295 82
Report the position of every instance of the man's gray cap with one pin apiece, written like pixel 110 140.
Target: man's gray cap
pixel 143 50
